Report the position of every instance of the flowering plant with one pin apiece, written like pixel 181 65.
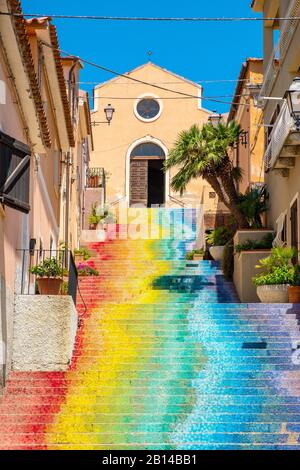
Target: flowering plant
pixel 87 269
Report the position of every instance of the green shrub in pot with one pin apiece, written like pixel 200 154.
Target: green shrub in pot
pixel 277 273
pixel 294 287
pixel 217 240
pixel 49 273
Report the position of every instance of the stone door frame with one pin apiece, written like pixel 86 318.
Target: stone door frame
pixel 146 139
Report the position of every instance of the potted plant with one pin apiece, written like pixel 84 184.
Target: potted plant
pixel 278 273
pixel 87 269
pixel 106 217
pixel 49 275
pixel 94 217
pixel 82 254
pixel 217 240
pixel 253 204
pixel 294 288
pixel 198 255
pixel 194 255
pixel 254 245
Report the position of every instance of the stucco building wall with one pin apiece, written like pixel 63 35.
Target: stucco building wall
pixel 13 225
pixel 44 332
pixel 249 155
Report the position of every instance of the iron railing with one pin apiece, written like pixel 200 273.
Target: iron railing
pixel 57 264
pixel 176 201
pixel 281 130
pixel 73 279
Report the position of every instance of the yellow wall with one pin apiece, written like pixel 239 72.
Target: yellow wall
pixel 250 119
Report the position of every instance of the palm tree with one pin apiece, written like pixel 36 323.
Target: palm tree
pixel 205 153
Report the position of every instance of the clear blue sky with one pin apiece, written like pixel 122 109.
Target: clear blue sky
pixel 198 51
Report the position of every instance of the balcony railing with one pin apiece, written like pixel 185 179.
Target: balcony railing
pixel 287 31
pixel 95 178
pixel 283 126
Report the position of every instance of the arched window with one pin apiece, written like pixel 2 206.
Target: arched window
pixel 148 149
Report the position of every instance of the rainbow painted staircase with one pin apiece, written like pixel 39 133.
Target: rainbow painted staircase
pixel 165 358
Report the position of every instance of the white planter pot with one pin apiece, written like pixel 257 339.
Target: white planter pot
pixel 276 294
pixel 217 252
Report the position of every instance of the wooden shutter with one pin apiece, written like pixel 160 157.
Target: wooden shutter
pixel 139 182
pixel 14 173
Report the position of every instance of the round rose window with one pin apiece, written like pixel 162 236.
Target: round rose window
pixel 148 108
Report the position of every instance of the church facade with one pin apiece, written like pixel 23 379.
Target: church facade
pixel 145 125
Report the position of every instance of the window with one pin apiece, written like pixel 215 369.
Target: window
pixel 148 108
pixel 56 169
pixel 148 149
pixel 14 173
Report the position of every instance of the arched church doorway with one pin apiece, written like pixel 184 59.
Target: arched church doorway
pixel 147 176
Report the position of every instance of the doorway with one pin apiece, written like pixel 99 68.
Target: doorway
pixel 156 183
pixel 147 182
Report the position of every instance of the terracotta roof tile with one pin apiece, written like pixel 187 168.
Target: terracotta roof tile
pixel 25 50
pixel 62 84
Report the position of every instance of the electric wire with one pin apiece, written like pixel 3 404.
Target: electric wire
pixel 128 77
pixel 145 18
pixel 167 97
pixel 198 82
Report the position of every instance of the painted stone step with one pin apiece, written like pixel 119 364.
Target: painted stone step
pixel 163 328
pixel 77 379
pixel 162 319
pixel 213 402
pixel 189 355
pixel 251 447
pixel 133 447
pixel 215 345
pixel 159 428
pixel 227 397
pixel 155 438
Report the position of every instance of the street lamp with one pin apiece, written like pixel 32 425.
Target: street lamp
pixel 215 119
pixel 109 112
pixel 254 90
pixel 292 96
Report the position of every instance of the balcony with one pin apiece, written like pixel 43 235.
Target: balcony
pixel 287 31
pixel 95 178
pixel 284 143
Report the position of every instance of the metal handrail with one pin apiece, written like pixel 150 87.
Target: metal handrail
pixel 282 127
pixel 181 203
pixel 116 201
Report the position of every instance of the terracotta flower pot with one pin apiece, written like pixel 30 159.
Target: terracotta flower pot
pixel 294 294
pixel 198 257
pixel 93 226
pixel 49 285
pixel 217 252
pixel 273 294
